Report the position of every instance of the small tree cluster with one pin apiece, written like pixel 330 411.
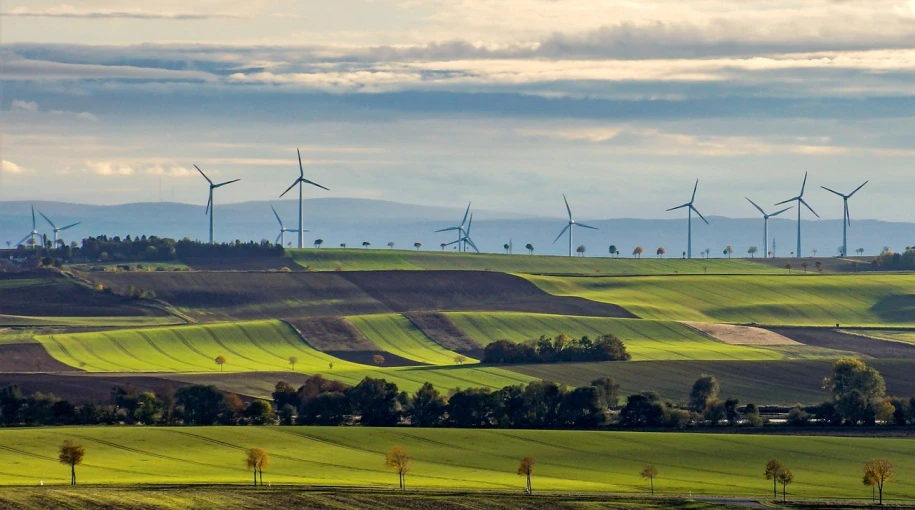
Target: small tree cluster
pixel 562 348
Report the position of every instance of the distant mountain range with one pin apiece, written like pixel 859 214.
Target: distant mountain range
pixel 353 221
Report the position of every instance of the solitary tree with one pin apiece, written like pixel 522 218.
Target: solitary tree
pixel 637 252
pixel 366 244
pixel 318 243
pixel 804 265
pixel 506 248
pixel 220 360
pixel 391 244
pixel 398 460
pixel 728 250
pixel 257 460
pixel 343 245
pixel 614 251
pixel 649 472
pixel 460 359
pixel 443 246
pixel 526 469
pixel 773 468
pixel 785 477
pixel 417 245
pixel 292 361
pixel 71 454
pixel 530 248
pixel 788 267
pixel 581 250
pixel 752 251
pixel 876 473
pixel 705 389
pixel 378 359
pixel 660 253
pixel 860 251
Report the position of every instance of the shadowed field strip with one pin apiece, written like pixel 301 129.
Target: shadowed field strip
pixel 486 459
pixel 396 334
pixel 811 300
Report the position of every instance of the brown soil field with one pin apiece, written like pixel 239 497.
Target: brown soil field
pixel 247 295
pixel 85 389
pixel 28 357
pixel 420 291
pixel 833 339
pixel 741 335
pixel 443 331
pixel 241 264
pixel 339 338
pixel 49 294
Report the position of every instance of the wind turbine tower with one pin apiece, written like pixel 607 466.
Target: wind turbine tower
pixel 57 230
pixel 689 226
pixel 210 204
pixel 461 233
pixel 800 200
pixel 301 181
pixel 766 227
pixel 281 239
pixel 846 216
pixel 571 226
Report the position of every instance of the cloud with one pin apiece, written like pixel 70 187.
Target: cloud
pixel 66 11
pixel 172 171
pixel 31 107
pixel 108 168
pixel 8 167
pixel 42 70
pixel 24 106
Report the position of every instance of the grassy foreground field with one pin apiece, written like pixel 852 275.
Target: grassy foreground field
pixel 324 259
pixel 825 467
pixel 804 300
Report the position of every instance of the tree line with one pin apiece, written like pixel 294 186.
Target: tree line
pixel 562 348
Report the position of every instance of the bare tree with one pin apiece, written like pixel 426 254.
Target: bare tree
pixel 877 472
pixel 773 468
pixel 72 455
pixel 649 472
pixel 398 460
pixel 752 251
pixel 526 469
pixel 785 477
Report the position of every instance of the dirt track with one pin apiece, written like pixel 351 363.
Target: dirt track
pixel 832 339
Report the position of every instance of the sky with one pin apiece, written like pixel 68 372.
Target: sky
pixel 621 105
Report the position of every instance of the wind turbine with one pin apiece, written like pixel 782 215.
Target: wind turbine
pixel 800 200
pixel 281 239
pixel 692 209
pixel 210 204
pixel 460 231
pixel 34 231
pixel 465 239
pixel 570 226
pixel 766 225
pixel 57 230
pixel 846 216
pixel 300 181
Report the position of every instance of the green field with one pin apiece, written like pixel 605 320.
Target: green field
pixel 825 467
pixel 813 300
pixel 395 333
pixel 324 259
pixel 256 346
pixel 646 340
pixel 104 322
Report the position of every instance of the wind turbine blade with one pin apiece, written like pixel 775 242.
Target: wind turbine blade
pixel 858 189
pixel 203 174
pixel 469 223
pixel 569 209
pixel 562 232
pixel 71 226
pixel 34 223
pixel 278 218
pixel 847 213
pixel 470 242
pixel 24 239
pixel 289 188
pixel 466 212
pixel 48 220
pixel 779 212
pixel 808 207
pixel 225 183
pixel 789 200
pixel 696 188
pixel 700 215
pixel 678 207
pixel 803 187
pixel 314 184
pixel 448 229
pixel 834 192
pixel 280 236
pixel 758 208
pixel 209 204
pixel 586 226
pixel 301 170
pixel 454 242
